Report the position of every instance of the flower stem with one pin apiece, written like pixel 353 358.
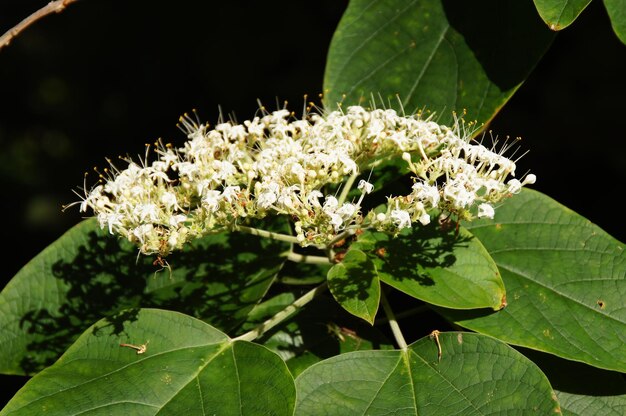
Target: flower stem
pixel 346 188
pixel 305 258
pixel 282 315
pixel 300 281
pixel 395 328
pixel 267 234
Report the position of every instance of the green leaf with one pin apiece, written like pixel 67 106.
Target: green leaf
pixel 86 275
pixel 438 266
pixel 617 13
pixel 565 280
pixel 354 284
pixel 476 375
pixel 440 55
pixel 559 14
pixel 581 389
pixel 188 367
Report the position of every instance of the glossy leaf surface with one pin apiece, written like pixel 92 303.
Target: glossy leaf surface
pixel 565 279
pixel 476 375
pixel 558 14
pixel 443 56
pixel 441 266
pixel 188 367
pixel 617 13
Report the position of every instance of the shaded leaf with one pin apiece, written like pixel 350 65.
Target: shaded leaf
pixel 476 375
pixel 438 266
pixel 440 55
pixel 86 275
pixel 559 14
pixel 354 284
pixel 565 279
pixel 189 367
pixel 617 13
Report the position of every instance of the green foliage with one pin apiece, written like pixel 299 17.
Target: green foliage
pixel 443 56
pixel 475 375
pixel 437 264
pixel 617 13
pixel 565 280
pixel 558 14
pixel 240 324
pixel 203 281
pixel 188 367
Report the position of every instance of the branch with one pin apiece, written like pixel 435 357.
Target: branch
pixel 282 315
pixel 56 6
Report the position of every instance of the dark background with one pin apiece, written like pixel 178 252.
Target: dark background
pixel 105 77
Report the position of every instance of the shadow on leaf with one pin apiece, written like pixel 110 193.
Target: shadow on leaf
pixel 414 253
pixel 219 279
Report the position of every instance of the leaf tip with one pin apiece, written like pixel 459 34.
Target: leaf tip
pixel 503 303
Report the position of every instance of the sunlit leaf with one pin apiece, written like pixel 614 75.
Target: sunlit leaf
pixel 558 14
pixel 441 266
pixel 565 280
pixel 475 375
pixel 188 367
pixel 441 55
pixel 617 13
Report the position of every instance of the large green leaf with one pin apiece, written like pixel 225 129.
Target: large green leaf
pixel 438 265
pixel 355 285
pixel 565 280
pixel 444 55
pixel 86 275
pixel 475 375
pixel 558 14
pixel 617 13
pixel 188 367
pixel 582 390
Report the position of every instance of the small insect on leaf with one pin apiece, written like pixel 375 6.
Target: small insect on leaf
pixel 142 348
pixel 435 335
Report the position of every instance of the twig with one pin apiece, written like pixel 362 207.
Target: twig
pixel 56 6
pixel 282 315
pixel 305 258
pixel 393 323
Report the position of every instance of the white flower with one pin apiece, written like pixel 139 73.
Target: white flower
pixel 485 211
pixel 515 186
pixel 211 200
pixel 365 187
pixel 314 197
pixel 401 218
pixel 426 193
pixel 175 220
pixel 230 193
pixel 276 165
pixel 169 200
pixel 330 204
pixel 347 211
pixel 424 219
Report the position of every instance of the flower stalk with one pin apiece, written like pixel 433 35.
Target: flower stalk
pixel 282 315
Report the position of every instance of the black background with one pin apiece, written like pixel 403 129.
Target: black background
pixel 105 77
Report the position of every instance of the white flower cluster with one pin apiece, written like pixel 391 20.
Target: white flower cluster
pixel 276 164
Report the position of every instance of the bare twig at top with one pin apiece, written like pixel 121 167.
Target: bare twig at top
pixel 56 6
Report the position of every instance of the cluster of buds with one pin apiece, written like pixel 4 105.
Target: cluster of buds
pixel 278 165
